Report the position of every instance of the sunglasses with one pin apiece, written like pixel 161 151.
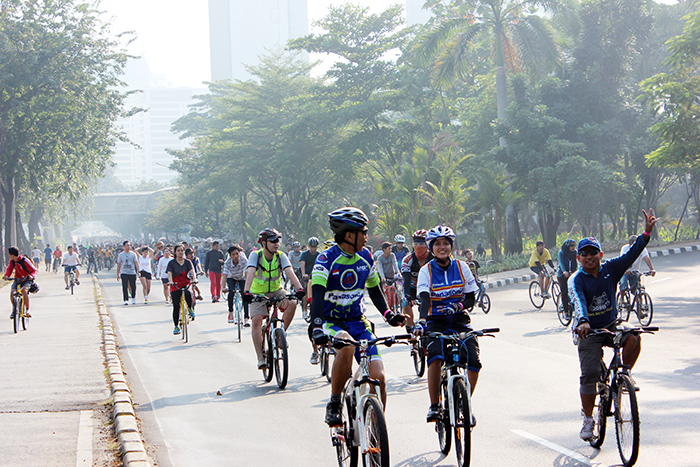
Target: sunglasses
pixel 591 252
pixel 274 241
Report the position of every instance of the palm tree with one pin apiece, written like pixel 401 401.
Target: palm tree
pixel 517 38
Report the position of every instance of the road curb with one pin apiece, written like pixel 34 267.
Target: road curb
pixel 126 427
pixel 528 277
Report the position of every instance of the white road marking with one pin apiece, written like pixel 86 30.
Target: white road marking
pixel 661 280
pixel 560 449
pixel 84 450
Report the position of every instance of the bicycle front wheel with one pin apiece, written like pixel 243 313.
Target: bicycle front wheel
pixel 556 290
pixel 486 303
pixel 281 358
pixel 16 307
pixel 626 420
pixel 536 295
pixel 645 309
pixel 462 423
pixel 377 438
pixel 330 358
pixel 184 318
pixel 442 425
pixel 418 355
pixel 267 351
pixel 238 313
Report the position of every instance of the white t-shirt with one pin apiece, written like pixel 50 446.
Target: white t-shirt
pixel 71 259
pixel 638 261
pixel 36 253
pixel 162 266
pixel 145 264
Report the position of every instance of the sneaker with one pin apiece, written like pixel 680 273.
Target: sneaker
pixel 230 318
pixel 133 301
pixel 473 424
pixel 333 412
pixel 77 282
pixel 67 288
pixel 199 297
pixel 262 364
pixel 314 358
pixel 176 331
pixel 246 323
pixel 126 302
pixel 587 429
pixel 191 313
pixel 545 295
pixel 305 314
pixel 434 413
pixel 145 299
pixel 12 315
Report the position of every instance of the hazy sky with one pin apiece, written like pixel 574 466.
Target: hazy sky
pixel 173 35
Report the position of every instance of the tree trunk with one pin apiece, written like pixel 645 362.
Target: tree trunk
pixel 514 241
pixel 23 243
pixel 34 217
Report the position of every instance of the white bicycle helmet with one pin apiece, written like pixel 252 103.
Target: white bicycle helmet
pixel 400 239
pixel 440 231
pixel 295 244
pixel 313 241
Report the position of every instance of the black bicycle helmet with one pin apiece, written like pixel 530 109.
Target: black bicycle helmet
pixel 268 234
pixel 313 241
pixel 346 219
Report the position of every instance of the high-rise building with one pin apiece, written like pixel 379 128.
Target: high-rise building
pixel 240 31
pixel 150 129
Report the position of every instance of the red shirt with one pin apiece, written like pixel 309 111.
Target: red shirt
pixel 57 254
pixel 22 268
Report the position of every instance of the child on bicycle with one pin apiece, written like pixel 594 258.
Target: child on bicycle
pixel 446 289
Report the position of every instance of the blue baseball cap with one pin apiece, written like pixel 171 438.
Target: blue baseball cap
pixel 588 241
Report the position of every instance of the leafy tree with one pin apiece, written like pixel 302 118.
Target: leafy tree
pixel 59 99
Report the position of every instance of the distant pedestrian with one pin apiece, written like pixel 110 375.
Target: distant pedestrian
pixel 48 253
pixel 126 272
pixel 213 264
pixel 144 271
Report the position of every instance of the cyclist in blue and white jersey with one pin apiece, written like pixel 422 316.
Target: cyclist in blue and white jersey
pixel 410 266
pixel 339 278
pixel 446 289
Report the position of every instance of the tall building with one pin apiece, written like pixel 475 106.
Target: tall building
pixel 415 14
pixel 150 129
pixel 241 30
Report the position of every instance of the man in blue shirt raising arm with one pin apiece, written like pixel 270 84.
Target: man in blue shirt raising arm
pixel 592 291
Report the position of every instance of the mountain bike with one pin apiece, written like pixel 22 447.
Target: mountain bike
pixel 274 341
pixel 455 396
pixel 363 426
pixel 326 359
pixel 19 307
pixel 418 351
pixel 536 291
pixel 640 302
pixel 71 278
pixel 393 293
pixel 617 398
pixel 482 299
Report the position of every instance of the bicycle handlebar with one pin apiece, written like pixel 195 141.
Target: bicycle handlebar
pixel 466 335
pixel 339 342
pixel 273 300
pixel 625 330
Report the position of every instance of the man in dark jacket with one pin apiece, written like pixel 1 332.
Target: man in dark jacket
pixel 592 291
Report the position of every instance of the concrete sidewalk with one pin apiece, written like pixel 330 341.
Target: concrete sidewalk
pixel 55 405
pixel 501 279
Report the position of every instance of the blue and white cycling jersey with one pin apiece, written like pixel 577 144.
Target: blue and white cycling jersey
pixel 446 287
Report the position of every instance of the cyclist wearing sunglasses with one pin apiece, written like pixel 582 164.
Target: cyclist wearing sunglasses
pixel 264 276
pixel 592 290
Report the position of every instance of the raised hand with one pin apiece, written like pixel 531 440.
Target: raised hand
pixel 649 220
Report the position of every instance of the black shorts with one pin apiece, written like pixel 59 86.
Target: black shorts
pixel 146 275
pixel 469 353
pixel 165 280
pixel 536 269
pixel 27 282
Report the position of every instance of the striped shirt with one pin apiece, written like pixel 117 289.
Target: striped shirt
pixel 236 271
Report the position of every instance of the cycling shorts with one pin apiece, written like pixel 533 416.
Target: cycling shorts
pixel 468 354
pixel 358 329
pixel 67 269
pixel 146 275
pixel 536 269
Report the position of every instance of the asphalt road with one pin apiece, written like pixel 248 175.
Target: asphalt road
pixel 526 400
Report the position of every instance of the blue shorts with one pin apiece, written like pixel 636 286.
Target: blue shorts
pixel 358 329
pixel 68 269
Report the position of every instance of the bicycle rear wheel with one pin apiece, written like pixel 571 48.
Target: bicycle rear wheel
pixel 536 295
pixel 72 284
pixel 563 315
pixel 281 358
pixel 600 415
pixel 462 424
pixel 377 454
pixel 486 303
pixel 267 355
pixel 645 309
pixel 442 425
pixel 343 437
pixel 418 355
